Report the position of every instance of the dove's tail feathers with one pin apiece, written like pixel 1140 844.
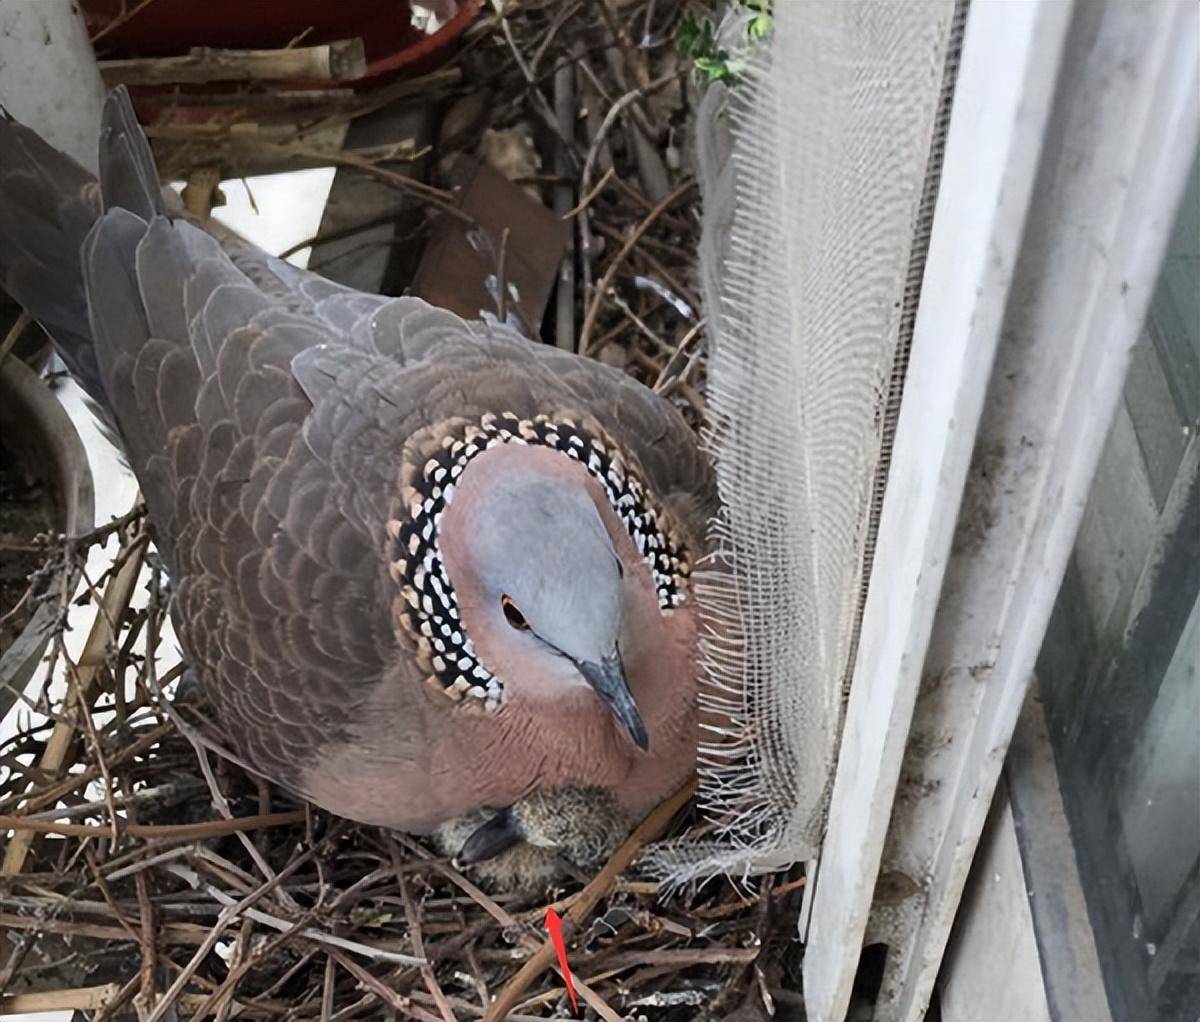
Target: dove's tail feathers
pixel 48 204
pixel 128 177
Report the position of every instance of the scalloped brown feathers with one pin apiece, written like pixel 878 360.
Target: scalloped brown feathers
pixel 269 416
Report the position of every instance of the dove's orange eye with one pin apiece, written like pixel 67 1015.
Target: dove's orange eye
pixel 512 615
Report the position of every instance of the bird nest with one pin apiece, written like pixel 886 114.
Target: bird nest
pixel 146 875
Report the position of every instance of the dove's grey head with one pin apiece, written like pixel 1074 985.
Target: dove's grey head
pixel 543 587
pixel 540 582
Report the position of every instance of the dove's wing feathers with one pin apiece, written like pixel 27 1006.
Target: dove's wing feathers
pixel 266 413
pixel 275 582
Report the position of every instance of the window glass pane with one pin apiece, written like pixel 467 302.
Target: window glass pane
pixel 1118 672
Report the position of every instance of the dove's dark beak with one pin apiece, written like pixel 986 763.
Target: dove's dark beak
pixel 608 680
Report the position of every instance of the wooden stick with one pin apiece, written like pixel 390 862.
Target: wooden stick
pixel 202 191
pixel 594 1000
pixel 327 989
pixel 649 829
pixel 418 941
pixel 48 796
pixel 587 200
pixel 117 594
pixel 338 61
pixel 81 999
pixel 564 196
pixel 502 278
pixel 177 831
pixel 317 156
pixel 376 986
pixel 589 322
pixel 14 334
pixel 170 933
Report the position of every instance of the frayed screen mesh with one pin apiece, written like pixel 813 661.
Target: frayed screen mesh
pixel 813 170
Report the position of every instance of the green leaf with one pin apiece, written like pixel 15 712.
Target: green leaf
pixel 694 37
pixel 716 69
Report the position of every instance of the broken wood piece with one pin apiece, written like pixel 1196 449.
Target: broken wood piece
pixel 202 192
pixel 377 259
pixel 462 255
pixel 338 61
pixel 81 999
pixel 564 200
pixel 245 150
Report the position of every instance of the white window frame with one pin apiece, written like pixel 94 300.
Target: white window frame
pixel 1071 135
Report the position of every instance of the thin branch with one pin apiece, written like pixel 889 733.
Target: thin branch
pixel 610 119
pixel 101 532
pixel 338 234
pixel 232 911
pixel 353 946
pixel 510 922
pixel 502 278
pixel 667 374
pixel 268 948
pixel 147 944
pixel 111 610
pixel 14 334
pixel 649 829
pixel 589 322
pixel 418 942
pixel 35 800
pixel 120 19
pixel 174 831
pixel 564 15
pixel 590 197
pixel 377 987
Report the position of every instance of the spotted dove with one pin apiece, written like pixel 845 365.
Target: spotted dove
pixel 421 566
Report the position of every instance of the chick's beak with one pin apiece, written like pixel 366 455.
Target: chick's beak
pixel 490 839
pixel 607 678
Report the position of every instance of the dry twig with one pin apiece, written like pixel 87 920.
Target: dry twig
pixel 649 829
pixel 589 322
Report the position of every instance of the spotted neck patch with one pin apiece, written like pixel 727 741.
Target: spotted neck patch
pixel 427 607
